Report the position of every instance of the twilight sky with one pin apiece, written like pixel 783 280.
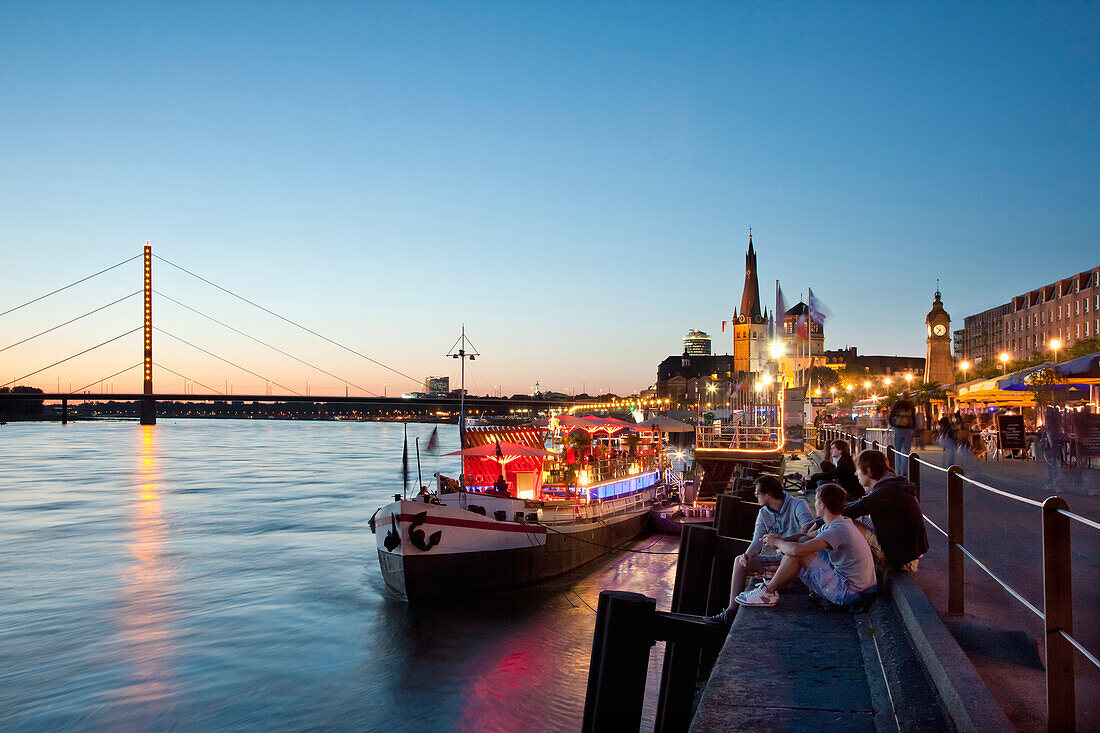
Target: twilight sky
pixel 574 182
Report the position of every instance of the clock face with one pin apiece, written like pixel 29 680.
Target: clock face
pixel 939 329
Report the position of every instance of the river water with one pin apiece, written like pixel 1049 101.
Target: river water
pixel 219 574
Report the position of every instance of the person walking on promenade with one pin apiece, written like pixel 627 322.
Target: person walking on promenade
pixel 892 504
pixel 947 440
pixel 834 562
pixel 781 515
pixel 903 418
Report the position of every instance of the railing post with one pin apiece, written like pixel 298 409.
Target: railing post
pixel 620 658
pixel 914 472
pixel 890 456
pixel 954 539
pixel 1058 610
pixel 874 445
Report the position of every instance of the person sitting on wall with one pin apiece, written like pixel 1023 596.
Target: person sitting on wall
pixel 891 502
pixel 834 562
pixel 781 515
pixel 840 469
pixel 501 486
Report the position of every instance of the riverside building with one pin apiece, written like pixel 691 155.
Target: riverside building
pixel 1067 310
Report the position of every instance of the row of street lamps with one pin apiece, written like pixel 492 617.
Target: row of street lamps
pixel 1054 345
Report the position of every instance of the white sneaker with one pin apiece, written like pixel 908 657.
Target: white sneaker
pixel 758 596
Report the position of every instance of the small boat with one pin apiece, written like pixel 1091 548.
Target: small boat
pixel 671 518
pixel 520 513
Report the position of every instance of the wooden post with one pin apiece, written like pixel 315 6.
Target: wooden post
pixel 914 472
pixel 1058 609
pixel 620 658
pixel 890 457
pixel 954 537
pixel 874 445
pixel 690 594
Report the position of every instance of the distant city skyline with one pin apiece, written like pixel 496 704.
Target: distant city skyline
pixel 576 188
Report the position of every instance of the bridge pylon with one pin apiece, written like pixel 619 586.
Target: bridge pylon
pixel 148 405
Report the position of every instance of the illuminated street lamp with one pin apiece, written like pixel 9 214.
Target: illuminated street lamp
pixel 867 386
pixel 964 366
pixel 887 382
pixel 908 380
pixel 1004 362
pixel 1055 344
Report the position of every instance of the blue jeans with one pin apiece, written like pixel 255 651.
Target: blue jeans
pixel 903 443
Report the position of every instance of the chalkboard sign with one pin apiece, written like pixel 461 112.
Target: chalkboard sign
pixel 1086 433
pixel 1011 428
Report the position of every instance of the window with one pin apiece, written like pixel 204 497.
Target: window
pixel 1078 331
pixel 1086 305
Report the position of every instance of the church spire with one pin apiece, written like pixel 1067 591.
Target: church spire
pixel 750 297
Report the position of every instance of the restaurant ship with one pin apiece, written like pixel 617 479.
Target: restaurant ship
pixel 564 507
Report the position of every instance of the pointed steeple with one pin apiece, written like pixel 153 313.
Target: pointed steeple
pixel 750 298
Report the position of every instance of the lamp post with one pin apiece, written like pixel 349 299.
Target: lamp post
pixel 1055 344
pixel 867 386
pixel 964 366
pixel 886 383
pixel 1004 363
pixel 908 380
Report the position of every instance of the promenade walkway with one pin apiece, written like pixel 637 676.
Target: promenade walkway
pixel 1002 638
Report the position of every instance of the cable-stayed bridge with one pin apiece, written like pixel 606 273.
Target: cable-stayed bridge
pixel 148 398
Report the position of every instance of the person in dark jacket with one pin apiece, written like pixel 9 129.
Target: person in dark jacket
pixel 892 504
pixel 838 468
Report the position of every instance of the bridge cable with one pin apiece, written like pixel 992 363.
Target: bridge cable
pixel 109 376
pixel 264 343
pixel 161 366
pixel 287 320
pixel 41 297
pixel 238 366
pixel 66 323
pixel 116 338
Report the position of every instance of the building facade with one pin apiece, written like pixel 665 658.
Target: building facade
pixel 803 343
pixel 875 366
pixel 697 343
pixel 1067 310
pixel 982 335
pixel 437 386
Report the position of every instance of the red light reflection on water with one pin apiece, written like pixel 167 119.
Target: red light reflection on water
pixel 146 614
pixel 513 678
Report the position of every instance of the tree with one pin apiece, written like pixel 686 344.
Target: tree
pixel 925 394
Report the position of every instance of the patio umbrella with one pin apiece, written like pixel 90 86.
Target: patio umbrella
pixel 666 425
pixel 502 451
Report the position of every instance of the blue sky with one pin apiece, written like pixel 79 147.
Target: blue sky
pixel 574 182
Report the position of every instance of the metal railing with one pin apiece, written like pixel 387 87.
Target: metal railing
pixel 737 437
pixel 1057 611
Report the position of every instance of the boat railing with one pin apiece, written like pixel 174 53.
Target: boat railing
pixel 565 513
pixel 737 437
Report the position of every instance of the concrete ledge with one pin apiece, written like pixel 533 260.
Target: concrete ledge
pixel 792 668
pixel 965 697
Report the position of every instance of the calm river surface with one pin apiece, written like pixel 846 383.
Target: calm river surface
pixel 217 574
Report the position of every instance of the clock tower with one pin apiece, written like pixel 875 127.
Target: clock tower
pixel 938 365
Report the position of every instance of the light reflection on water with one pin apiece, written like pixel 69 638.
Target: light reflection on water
pixel 214 574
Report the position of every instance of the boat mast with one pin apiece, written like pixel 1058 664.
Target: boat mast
pixel 462 355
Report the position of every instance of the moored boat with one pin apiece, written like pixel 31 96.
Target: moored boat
pixel 519 513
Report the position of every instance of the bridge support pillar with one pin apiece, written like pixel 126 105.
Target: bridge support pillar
pixel 64 412
pixel 148 412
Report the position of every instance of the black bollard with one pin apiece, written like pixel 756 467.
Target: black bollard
pixel 620 658
pixel 914 472
pixel 689 594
